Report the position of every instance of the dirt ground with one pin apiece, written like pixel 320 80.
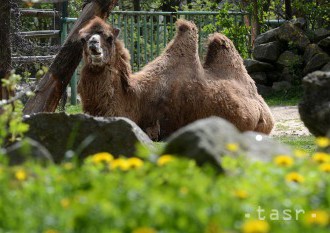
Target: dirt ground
pixel 287 122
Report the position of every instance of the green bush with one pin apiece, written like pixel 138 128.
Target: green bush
pixel 168 195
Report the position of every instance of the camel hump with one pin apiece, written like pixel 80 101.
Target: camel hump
pixel 217 43
pixel 183 25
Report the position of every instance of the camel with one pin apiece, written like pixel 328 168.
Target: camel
pixel 173 90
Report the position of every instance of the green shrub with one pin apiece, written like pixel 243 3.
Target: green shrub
pixel 170 195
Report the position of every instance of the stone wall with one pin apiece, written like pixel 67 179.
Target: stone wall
pixel 284 55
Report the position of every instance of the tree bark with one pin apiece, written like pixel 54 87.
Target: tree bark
pixel 53 84
pixel 5 51
pixel 288 9
pixel 255 21
pixel 136 5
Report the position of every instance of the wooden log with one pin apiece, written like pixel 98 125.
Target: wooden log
pixel 53 84
pixel 5 52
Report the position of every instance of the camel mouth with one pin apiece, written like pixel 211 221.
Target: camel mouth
pixel 95 51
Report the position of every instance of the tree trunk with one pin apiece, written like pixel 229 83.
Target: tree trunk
pixel 255 21
pixel 136 5
pixel 53 84
pixel 288 10
pixel 5 51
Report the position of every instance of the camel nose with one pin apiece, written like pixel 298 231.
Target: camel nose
pixel 94 40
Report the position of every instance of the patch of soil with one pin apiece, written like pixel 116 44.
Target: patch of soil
pixel 287 122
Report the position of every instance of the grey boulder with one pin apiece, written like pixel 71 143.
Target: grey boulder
pixel 314 108
pixel 257 66
pixel 27 149
pixel 206 141
pixel 290 33
pixel 64 135
pixel 325 44
pixel 267 52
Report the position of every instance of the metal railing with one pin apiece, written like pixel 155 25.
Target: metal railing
pixel 146 33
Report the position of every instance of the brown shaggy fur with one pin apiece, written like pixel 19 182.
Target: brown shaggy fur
pixel 225 69
pixel 174 89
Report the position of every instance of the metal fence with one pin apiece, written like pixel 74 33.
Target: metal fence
pixel 146 33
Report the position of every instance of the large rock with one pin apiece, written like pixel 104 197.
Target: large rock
pixel 281 86
pixel 267 52
pixel 310 51
pixel 261 147
pixel 289 59
pixel 290 75
pixel 316 63
pixel 259 77
pixel 257 66
pixel 299 22
pixel 320 34
pixel 264 90
pixel 206 141
pixel 293 35
pixel 27 149
pixel 266 37
pixel 273 76
pixel 325 44
pixel 326 67
pixel 84 135
pixel 314 108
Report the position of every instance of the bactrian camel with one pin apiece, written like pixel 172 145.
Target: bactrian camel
pixel 173 90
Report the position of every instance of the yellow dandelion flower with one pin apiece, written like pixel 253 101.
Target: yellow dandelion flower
pixel 68 166
pixel 294 177
pixel 20 175
pixel 241 194
pixel 51 231
pixel 135 162
pixel 321 157
pixel 300 153
pixel 184 190
pixel 120 163
pixel 164 159
pixel 144 230
pixel 233 147
pixel 325 167
pixel 255 226
pixel 65 202
pixel 283 160
pixel 322 142
pixel 317 217
pixel 103 157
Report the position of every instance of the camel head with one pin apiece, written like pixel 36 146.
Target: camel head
pixel 98 39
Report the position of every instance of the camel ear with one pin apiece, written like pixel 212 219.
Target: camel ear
pixel 116 32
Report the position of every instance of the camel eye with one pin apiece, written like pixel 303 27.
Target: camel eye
pixel 83 40
pixel 110 39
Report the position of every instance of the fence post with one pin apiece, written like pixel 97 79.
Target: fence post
pixel 64 34
pixel 73 84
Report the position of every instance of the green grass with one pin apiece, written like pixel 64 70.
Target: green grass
pixel 289 97
pixel 73 109
pixel 306 143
